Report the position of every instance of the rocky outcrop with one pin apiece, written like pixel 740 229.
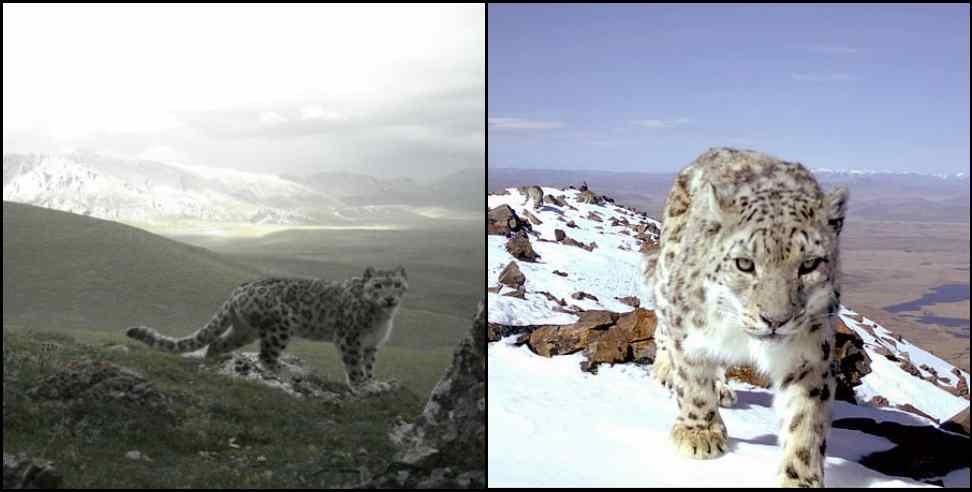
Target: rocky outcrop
pixel 532 218
pixel 852 361
pixel 630 301
pixel 445 447
pixel 552 200
pixel 958 423
pixel 511 276
pixel 748 375
pixel 603 337
pixel 79 381
pixel 503 220
pixel 520 248
pixel 21 472
pixel 561 237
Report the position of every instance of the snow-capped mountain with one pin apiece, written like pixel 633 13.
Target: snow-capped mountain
pixel 152 192
pixel 552 424
pixel 869 172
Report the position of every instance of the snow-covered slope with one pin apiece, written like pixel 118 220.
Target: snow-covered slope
pixel 551 424
pixel 607 272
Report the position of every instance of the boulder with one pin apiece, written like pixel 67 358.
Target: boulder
pixel 520 248
pixel 748 374
pixel 853 363
pixel 552 200
pixel 630 301
pixel 962 389
pixel 958 423
pixel 580 296
pixel 22 472
pixel 549 341
pixel 445 447
pixel 503 220
pixel 84 380
pixel 511 276
pixel 559 273
pixel 519 293
pixel 532 218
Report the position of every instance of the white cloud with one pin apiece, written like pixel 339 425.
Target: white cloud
pixel 271 118
pixel 522 124
pixel 135 75
pixel 315 112
pixel 658 124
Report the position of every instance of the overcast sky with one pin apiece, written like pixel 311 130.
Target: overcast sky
pixel 650 87
pixel 384 90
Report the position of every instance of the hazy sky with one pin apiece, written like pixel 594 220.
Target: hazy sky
pixel 387 90
pixel 649 88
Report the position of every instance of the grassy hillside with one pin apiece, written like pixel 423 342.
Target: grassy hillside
pixel 91 278
pixel 74 272
pixel 212 431
pixel 445 270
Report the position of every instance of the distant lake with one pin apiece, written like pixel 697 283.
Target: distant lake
pixel 939 295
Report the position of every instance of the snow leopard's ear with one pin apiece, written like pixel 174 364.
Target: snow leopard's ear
pixel 713 207
pixel 369 272
pixel 401 271
pixel 835 206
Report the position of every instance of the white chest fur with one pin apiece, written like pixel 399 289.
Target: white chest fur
pixel 381 330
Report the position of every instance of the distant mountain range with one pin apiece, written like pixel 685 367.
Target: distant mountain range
pixel 150 192
pixel 875 195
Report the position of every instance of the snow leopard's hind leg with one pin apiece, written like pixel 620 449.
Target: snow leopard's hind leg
pixel 239 335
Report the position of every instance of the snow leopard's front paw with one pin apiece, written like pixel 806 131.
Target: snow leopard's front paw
pixel 790 482
pixel 699 442
pixel 727 397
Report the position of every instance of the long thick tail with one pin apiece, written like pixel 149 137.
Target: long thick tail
pixel 206 335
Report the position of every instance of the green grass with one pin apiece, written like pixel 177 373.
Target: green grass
pixel 307 444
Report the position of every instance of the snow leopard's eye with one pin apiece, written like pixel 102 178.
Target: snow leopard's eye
pixel 808 267
pixel 745 265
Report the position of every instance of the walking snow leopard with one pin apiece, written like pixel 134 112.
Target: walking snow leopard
pixel 747 272
pixel 356 315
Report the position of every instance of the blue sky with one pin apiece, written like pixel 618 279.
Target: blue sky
pixel 649 87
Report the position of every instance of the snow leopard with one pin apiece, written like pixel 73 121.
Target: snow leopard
pixel 748 272
pixel 357 315
pixel 534 193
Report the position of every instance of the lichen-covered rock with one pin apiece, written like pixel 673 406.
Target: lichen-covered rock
pixel 853 363
pixel 446 446
pixel 958 423
pixel 21 472
pixel 503 220
pixel 520 248
pixel 83 380
pixel 511 276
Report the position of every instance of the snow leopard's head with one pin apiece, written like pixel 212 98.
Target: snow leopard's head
pixel 385 287
pixel 775 264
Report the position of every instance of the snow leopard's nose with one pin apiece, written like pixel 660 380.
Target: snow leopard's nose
pixel 775 322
